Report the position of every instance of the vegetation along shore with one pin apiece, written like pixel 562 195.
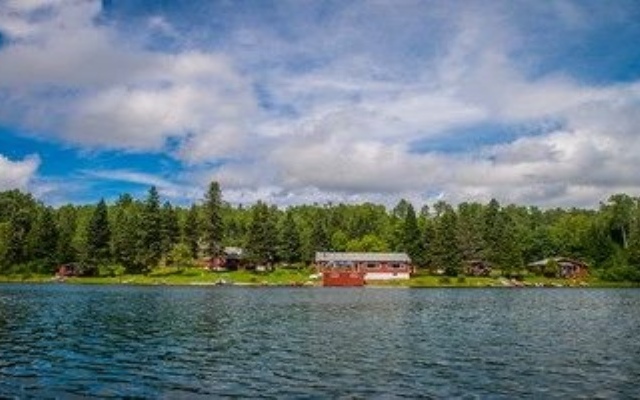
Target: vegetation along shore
pixel 150 241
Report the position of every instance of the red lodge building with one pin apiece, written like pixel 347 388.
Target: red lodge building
pixel 354 269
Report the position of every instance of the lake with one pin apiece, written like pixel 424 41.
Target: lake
pixel 70 341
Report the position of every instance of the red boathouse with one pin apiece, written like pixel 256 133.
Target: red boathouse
pixel 354 269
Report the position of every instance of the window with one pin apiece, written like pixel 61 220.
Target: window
pixel 396 265
pixel 372 265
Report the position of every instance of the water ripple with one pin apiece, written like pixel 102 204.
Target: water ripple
pixel 62 341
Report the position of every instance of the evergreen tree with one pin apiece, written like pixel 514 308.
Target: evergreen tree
pixel 126 234
pixel 290 243
pixel 411 237
pixel 170 228
pixel 43 240
pixel 445 245
pixel 192 231
pixel 492 232
pixel 67 225
pixel 262 240
pixel 509 255
pixel 150 244
pixel 428 243
pixel 470 231
pixel 99 235
pixel 213 227
pixel 320 239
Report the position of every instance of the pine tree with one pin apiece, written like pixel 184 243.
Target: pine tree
pixel 150 245
pixel 126 235
pixel 170 228
pixel 411 237
pixel 213 227
pixel 43 239
pixel 470 231
pixel 262 240
pixel 320 240
pixel 428 243
pixel 509 256
pixel 99 235
pixel 492 232
pixel 445 246
pixel 290 243
pixel 67 224
pixel 192 231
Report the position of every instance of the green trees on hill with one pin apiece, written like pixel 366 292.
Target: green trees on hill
pixel 142 234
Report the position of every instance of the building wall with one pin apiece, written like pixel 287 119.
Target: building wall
pixel 385 276
pixel 336 278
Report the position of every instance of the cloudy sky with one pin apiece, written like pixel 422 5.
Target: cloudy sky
pixel 313 101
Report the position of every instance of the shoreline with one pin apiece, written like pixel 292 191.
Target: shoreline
pixel 420 282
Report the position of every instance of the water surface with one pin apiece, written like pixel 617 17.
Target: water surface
pixel 183 342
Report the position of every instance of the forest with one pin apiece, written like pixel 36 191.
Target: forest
pixel 138 235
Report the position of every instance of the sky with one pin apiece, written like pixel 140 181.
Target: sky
pixel 311 101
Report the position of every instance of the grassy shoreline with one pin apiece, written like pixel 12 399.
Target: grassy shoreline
pixel 297 278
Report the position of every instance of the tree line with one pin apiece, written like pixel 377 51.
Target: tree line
pixel 137 235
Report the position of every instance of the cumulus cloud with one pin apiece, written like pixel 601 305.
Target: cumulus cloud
pixel 65 75
pixel 17 174
pixel 311 110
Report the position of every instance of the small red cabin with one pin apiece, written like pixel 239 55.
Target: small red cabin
pixel 231 259
pixel 566 267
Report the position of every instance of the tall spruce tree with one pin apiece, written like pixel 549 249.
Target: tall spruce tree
pixel 43 240
pixel 492 232
pixel 150 244
pixel 320 239
pixel 445 246
pixel 127 234
pixel 411 237
pixel 99 235
pixel 170 228
pixel 192 231
pixel 262 240
pixel 290 242
pixel 67 225
pixel 470 231
pixel 213 226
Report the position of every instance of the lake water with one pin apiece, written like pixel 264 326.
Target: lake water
pixel 187 342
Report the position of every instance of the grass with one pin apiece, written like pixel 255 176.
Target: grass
pixel 296 277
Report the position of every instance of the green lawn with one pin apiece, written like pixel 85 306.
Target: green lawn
pixel 296 277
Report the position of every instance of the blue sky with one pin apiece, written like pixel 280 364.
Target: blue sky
pixel 312 101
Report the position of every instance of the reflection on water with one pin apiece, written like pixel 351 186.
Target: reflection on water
pixel 63 340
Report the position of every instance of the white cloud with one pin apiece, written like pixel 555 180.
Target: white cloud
pixel 67 76
pixel 17 174
pixel 340 128
pixel 166 187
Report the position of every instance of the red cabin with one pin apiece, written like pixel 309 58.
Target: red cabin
pixel 354 269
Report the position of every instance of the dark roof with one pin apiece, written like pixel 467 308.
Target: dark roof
pixel 560 260
pixel 361 257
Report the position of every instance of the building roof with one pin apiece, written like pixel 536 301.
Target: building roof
pixel 362 257
pixel 233 251
pixel 560 260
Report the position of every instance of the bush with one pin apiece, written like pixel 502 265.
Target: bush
pixel 551 269
pixel 445 280
pixel 111 270
pixel 621 273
